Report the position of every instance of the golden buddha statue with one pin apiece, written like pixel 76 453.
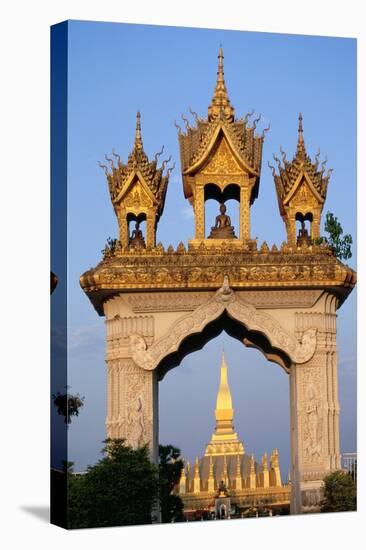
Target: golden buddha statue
pixel 303 235
pixel 222 228
pixel 137 239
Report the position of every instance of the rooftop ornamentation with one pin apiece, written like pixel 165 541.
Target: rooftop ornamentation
pixel 301 187
pixel 137 189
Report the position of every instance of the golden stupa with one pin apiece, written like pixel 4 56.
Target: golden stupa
pixel 227 472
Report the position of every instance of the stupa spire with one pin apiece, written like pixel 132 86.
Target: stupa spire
pixel 196 478
pixel 224 407
pixel 211 477
pixel 220 104
pixel 301 151
pixel 224 439
pixel 138 136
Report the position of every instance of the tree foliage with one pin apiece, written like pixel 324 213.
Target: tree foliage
pixel 120 489
pixel 340 493
pixel 68 405
pixel 110 246
pixel 170 469
pixel 341 246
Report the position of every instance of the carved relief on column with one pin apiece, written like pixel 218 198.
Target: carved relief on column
pixel 313 407
pixel 199 213
pixel 119 329
pixel 130 402
pixel 309 433
pixel 325 323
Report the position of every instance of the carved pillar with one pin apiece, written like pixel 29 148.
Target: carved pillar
pixel 314 412
pixel 244 213
pixel 123 227
pixel 315 226
pixel 199 212
pixel 291 229
pixel 132 404
pixel 150 230
pixel 132 411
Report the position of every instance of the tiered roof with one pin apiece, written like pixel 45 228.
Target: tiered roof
pixel 197 142
pixel 120 175
pixel 289 172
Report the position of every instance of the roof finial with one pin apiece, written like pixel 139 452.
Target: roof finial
pixel 138 138
pixel 220 70
pixel 220 104
pixel 300 123
pixel 301 152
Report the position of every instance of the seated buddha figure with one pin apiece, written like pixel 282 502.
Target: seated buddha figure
pixel 303 235
pixel 137 239
pixel 222 228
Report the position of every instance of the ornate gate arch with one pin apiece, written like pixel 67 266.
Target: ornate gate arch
pixel 224 299
pixel 285 299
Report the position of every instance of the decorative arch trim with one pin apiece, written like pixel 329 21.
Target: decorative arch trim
pixel 225 299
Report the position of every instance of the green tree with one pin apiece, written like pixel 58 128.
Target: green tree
pixel 341 246
pixel 339 493
pixel 67 404
pixel 353 472
pixel 170 469
pixel 120 489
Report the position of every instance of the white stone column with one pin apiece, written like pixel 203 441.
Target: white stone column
pixel 132 404
pixel 314 412
pixel 132 400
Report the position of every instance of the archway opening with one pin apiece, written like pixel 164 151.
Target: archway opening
pixel 260 399
pixel 235 329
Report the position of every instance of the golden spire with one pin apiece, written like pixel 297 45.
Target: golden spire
pixel 138 137
pixel 220 103
pixel 211 477
pixel 264 462
pixel 183 481
pixel 224 440
pixel 274 459
pixel 224 411
pixel 238 481
pixel 301 151
pixel 196 479
pixel 252 464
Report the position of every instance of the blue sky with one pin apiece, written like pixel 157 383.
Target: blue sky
pixel 116 69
